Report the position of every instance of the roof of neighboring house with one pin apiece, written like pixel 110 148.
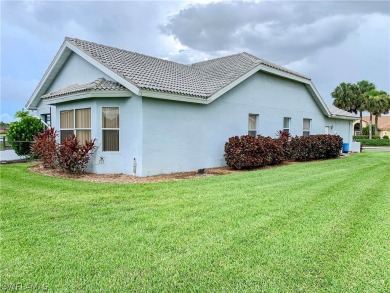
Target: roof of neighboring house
pixel 340 112
pixel 149 73
pixel 100 84
pixel 383 121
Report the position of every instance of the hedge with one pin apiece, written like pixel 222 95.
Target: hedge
pixel 374 142
pixel 316 147
pixel 247 152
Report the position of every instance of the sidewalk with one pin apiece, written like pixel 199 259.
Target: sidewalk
pixel 381 148
pixel 9 155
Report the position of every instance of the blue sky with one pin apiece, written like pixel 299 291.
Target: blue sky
pixel 329 41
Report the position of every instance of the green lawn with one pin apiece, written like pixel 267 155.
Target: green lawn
pixel 322 226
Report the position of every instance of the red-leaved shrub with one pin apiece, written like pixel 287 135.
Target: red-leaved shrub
pixel 74 157
pixel 45 147
pixel 250 152
pixel 284 138
pixel 315 147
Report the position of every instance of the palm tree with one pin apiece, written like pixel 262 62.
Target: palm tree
pixel 372 104
pixel 362 88
pixel 344 96
pixel 383 107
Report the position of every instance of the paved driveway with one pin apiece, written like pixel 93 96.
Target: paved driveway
pixel 382 149
pixel 9 155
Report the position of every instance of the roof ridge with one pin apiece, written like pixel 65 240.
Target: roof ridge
pixel 214 59
pixel 123 50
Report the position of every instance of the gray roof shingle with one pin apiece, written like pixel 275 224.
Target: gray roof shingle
pixel 100 84
pixel 197 80
pixel 340 112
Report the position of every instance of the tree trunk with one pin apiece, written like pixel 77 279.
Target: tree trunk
pixel 369 127
pixel 361 122
pixel 376 125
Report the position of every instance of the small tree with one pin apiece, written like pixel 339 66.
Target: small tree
pixel 21 114
pixel 45 147
pixel 21 133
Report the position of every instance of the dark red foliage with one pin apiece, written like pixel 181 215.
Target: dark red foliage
pixel 250 152
pixel 284 138
pixel 45 147
pixel 282 134
pixel 316 147
pixel 74 157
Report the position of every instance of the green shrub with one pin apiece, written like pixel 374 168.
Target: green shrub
pixel 365 137
pixel 20 134
pixel 385 137
pixel 374 142
pixel 365 130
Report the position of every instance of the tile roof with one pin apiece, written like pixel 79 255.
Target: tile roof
pixel 383 121
pixel 100 84
pixel 339 112
pixel 149 73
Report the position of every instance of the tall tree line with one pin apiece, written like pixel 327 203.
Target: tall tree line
pixel 359 97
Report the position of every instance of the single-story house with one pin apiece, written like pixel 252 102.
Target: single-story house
pixel 383 125
pixel 169 117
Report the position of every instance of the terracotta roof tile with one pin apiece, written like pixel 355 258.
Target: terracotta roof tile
pixel 383 121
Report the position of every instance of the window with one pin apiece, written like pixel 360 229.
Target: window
pixel 286 124
pixel 76 122
pixel 252 124
pixel 66 124
pixel 306 127
pixel 83 124
pixel 110 127
pixel 47 119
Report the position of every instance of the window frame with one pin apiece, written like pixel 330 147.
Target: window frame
pixel 103 128
pixel 256 131
pixel 288 129
pixel 84 128
pixel 66 128
pixel 74 129
pixel 307 131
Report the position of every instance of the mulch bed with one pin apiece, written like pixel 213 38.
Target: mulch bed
pixel 123 178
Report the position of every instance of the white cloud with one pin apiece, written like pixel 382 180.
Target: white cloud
pixel 5 117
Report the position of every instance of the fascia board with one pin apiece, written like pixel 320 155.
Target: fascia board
pixel 37 92
pixel 343 117
pixel 103 68
pixel 173 97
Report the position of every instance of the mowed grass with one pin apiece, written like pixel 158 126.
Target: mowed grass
pixel 320 226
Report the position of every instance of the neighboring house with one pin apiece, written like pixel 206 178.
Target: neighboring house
pixel 383 125
pixel 3 129
pixel 169 117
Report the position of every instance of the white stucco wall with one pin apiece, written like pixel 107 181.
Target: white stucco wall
pixel 166 136
pixel 183 136
pixel 130 134
pixel 76 70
